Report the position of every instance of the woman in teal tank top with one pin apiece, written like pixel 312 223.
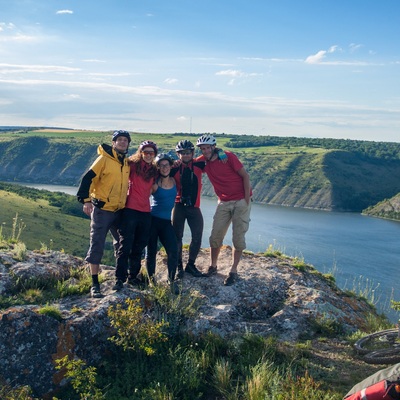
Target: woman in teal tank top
pixel 163 200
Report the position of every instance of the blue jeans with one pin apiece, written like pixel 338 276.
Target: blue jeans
pixel 161 229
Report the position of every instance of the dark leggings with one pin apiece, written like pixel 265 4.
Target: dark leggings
pixel 161 229
pixel 195 221
pixel 134 234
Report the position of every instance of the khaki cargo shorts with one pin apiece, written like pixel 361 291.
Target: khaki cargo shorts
pixel 236 212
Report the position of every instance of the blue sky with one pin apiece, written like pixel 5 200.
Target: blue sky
pixel 310 68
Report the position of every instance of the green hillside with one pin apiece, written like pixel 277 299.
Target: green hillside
pixel 388 209
pixel 328 174
pixel 41 225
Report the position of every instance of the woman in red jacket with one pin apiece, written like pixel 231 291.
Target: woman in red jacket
pixel 136 218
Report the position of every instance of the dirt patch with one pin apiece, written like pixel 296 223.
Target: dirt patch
pixel 335 363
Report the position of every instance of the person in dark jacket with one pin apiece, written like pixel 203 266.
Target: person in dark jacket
pixel 103 192
pixel 188 177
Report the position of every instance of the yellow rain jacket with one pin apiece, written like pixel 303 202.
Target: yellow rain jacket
pixel 106 182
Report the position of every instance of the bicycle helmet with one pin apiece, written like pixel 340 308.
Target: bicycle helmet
pixel 148 143
pixel 184 145
pixel 206 139
pixel 117 134
pixel 164 156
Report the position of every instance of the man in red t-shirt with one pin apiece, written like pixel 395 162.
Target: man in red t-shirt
pixel 231 183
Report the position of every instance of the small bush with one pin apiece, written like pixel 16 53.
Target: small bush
pixel 135 330
pixel 51 311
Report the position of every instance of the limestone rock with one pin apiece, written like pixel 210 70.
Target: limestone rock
pixel 272 297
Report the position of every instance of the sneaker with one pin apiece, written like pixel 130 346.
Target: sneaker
pixel 95 291
pixel 119 285
pixel 192 270
pixel 211 270
pixel 231 279
pixel 175 289
pixel 180 273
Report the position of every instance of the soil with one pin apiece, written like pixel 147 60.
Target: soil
pixel 335 363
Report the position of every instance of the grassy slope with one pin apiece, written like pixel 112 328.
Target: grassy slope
pixel 45 225
pixel 389 209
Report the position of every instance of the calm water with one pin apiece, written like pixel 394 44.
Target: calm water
pixel 362 252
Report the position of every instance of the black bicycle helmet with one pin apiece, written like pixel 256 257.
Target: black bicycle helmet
pixel 164 156
pixel 117 134
pixel 184 145
pixel 148 143
pixel 206 139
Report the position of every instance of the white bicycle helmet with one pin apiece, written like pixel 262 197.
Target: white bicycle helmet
pixel 206 139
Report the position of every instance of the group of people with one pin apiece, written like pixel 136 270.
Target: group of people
pixel 147 198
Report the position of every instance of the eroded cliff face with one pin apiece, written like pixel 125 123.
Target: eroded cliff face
pixel 388 209
pixel 272 297
pixel 38 160
pixel 329 180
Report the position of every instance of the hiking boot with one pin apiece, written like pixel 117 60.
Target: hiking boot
pixel 211 270
pixel 95 291
pixel 192 270
pixel 231 279
pixel 175 289
pixel 119 285
pixel 135 282
pixel 180 273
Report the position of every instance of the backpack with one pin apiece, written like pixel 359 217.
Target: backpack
pixel 383 385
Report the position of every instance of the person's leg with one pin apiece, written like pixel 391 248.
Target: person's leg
pixel 178 223
pixel 101 221
pixel 126 233
pixel 114 231
pixel 168 240
pixel 236 256
pixel 240 225
pixel 151 252
pixel 221 221
pixel 141 238
pixel 196 224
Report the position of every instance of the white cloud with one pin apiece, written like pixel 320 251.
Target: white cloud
pixel 170 81
pixel 181 118
pixel 93 61
pixel 316 58
pixel 334 48
pixel 13 68
pixel 18 38
pixel 230 72
pixel 4 26
pixel 354 47
pixel 71 96
pixel 64 12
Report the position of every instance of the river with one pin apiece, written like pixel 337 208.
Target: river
pixel 363 253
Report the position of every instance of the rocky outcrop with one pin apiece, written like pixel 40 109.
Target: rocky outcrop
pixel 388 209
pixel 272 297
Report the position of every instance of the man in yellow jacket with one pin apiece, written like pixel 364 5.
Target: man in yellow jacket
pixel 103 192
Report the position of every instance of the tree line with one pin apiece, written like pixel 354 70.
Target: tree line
pixel 382 150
